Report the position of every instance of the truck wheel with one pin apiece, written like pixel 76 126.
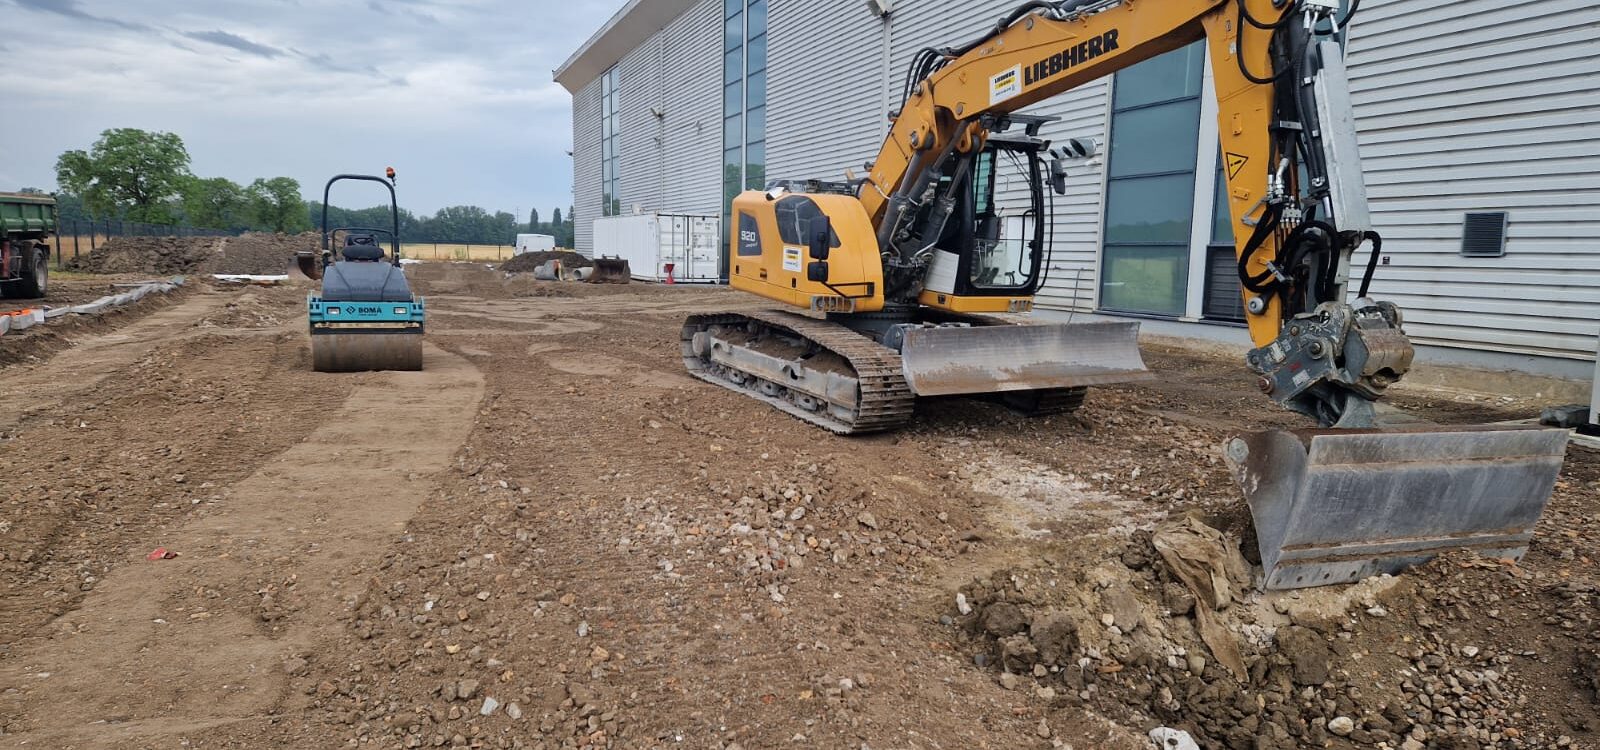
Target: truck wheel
pixel 35 281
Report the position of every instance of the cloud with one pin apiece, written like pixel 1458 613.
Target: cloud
pixel 71 9
pixel 224 39
pixel 456 94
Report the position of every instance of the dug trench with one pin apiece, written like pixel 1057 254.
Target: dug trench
pixel 615 555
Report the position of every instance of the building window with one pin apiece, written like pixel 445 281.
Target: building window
pixel 611 196
pixel 744 98
pixel 1222 301
pixel 1155 121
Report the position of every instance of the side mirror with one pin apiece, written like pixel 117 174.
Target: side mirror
pixel 821 238
pixel 1058 176
pixel 817 271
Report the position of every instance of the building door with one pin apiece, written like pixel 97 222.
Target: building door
pixel 1150 184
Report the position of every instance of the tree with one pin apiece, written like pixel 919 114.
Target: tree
pixel 534 227
pixel 277 205
pixel 127 170
pixel 216 203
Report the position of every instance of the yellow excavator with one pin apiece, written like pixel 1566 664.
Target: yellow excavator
pixel 900 280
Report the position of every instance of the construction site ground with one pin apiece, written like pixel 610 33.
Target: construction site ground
pixel 552 537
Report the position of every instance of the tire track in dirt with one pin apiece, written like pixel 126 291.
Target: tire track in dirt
pixel 81 368
pixel 163 649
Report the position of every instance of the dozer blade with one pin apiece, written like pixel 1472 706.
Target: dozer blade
pixel 955 360
pixel 1334 506
pixel 610 271
pixel 360 352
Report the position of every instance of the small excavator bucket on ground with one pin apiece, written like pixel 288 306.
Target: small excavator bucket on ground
pixel 1338 505
pixel 610 271
pixel 304 266
pixel 958 360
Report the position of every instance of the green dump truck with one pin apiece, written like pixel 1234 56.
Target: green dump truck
pixel 26 221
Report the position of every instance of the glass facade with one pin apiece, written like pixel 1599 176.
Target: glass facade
pixel 611 196
pixel 1155 129
pixel 744 99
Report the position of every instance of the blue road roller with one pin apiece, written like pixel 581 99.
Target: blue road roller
pixel 366 317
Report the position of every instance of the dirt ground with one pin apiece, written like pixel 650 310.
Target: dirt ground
pixel 554 538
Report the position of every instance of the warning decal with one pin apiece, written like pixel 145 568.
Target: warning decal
pixel 791 258
pixel 1235 163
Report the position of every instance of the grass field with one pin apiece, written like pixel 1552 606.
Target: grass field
pixel 446 251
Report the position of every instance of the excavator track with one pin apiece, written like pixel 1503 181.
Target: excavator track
pixel 770 356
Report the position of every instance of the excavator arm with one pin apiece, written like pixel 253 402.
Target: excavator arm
pixel 1329 505
pixel 1294 187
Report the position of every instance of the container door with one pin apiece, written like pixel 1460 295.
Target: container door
pixel 705 238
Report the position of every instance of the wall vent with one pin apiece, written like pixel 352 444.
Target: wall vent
pixel 1483 235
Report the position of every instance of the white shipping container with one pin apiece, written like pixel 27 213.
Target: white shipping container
pixel 651 243
pixel 534 243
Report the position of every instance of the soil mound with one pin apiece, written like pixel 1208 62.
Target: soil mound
pixel 153 255
pixel 250 253
pixel 526 262
pixel 261 252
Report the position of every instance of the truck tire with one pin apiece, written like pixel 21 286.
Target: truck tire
pixel 35 281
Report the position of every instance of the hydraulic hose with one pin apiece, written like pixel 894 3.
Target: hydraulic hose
pixel 1372 260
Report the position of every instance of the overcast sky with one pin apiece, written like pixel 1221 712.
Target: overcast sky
pixel 455 94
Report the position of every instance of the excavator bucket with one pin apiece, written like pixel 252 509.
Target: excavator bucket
pixel 957 360
pixel 1335 506
pixel 610 271
pixel 304 266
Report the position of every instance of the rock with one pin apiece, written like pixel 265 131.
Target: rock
pixel 1197 664
pixel 1341 725
pixel 489 706
pixel 868 520
pixel 1377 610
pixel 1002 619
pixel 465 689
pixel 962 606
pixel 1124 607
pixel 1008 681
pixel 1469 651
pixel 295 665
pixel 1055 635
pixel 514 711
pixel 1307 653
pixel 1044 729
pixel 1167 738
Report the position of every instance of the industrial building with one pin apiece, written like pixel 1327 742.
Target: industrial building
pixel 1480 140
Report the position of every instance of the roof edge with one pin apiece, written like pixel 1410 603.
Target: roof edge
pixel 636 22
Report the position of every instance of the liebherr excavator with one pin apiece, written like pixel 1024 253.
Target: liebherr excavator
pixel 903 271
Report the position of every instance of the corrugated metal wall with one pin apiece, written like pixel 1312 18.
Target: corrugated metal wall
pixel 1485 105
pixel 824 92
pixel 585 165
pixel 667 164
pixel 691 61
pixel 825 112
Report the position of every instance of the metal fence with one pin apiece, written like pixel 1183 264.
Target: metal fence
pixel 75 237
